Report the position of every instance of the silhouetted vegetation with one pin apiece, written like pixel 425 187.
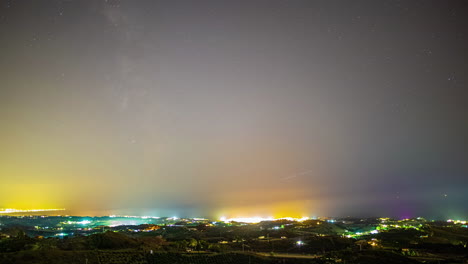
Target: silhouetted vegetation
pixel 266 242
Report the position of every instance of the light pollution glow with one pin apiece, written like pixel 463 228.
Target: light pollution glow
pixel 13 210
pixel 261 209
pixel 233 108
pixel 259 219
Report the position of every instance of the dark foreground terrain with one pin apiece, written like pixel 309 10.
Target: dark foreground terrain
pixel 138 257
pixel 346 241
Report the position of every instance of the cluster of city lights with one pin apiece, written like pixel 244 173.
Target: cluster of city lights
pixel 135 216
pixel 83 222
pixel 12 210
pixel 359 234
pixel 457 221
pixel 258 219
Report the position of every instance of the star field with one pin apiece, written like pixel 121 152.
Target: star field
pixel 218 107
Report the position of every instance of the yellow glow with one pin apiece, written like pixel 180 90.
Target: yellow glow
pixel 259 219
pixel 32 196
pixel 290 210
pixel 12 210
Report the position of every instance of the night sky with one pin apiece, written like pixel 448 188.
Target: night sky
pixel 235 108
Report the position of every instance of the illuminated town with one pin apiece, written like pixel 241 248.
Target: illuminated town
pixel 12 210
pixel 292 240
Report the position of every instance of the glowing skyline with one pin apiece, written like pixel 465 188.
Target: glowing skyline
pixel 14 210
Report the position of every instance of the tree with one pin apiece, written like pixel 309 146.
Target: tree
pixel 193 243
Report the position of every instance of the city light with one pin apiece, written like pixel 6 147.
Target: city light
pixel 456 221
pixel 246 219
pixel 13 210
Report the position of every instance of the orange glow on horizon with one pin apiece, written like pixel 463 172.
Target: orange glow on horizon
pixel 254 220
pixel 298 209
